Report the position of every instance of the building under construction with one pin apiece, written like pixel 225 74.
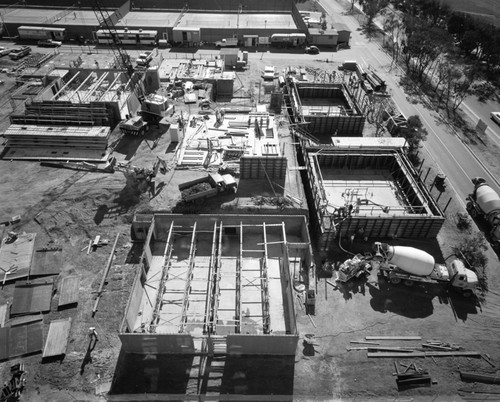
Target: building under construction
pixel 324 110
pixel 80 97
pixel 216 284
pixel 367 187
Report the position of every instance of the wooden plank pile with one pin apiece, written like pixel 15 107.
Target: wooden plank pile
pixel 56 142
pixel 413 376
pixel 432 348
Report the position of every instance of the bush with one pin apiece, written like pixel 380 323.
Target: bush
pixel 463 221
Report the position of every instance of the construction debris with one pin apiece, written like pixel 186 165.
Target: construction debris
pixel 412 377
pixel 423 354
pixel 393 338
pixel 12 390
pixel 487 378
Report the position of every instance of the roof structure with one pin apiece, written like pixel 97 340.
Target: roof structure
pixel 231 20
pixel 148 19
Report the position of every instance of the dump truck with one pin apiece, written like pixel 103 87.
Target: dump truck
pixel 410 265
pixel 485 202
pixel 207 187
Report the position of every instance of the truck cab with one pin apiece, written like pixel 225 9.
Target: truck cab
pixel 18 53
pixel 224 182
pixel 144 58
pixel 229 42
pixel 462 278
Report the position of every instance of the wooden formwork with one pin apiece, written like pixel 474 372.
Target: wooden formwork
pixel 268 167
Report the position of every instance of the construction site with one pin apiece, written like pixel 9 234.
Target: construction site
pixel 223 225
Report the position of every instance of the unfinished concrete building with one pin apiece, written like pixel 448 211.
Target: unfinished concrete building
pixel 216 284
pixel 80 97
pixel 367 187
pixel 324 110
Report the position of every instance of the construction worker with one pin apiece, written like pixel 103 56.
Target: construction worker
pixel 93 334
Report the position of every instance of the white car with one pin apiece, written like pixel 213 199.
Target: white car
pixel 269 73
pixel 496 117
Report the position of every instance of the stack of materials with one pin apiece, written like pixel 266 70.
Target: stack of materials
pixel 413 376
pixel 56 142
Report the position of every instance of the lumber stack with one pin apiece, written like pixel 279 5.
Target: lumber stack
pixel 56 142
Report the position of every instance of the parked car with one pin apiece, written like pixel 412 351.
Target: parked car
pixel 269 73
pixel 496 117
pixel 49 43
pixel 4 51
pixel 312 50
pixel 144 58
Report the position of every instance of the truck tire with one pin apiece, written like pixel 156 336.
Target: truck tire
pixel 395 280
pixel 408 282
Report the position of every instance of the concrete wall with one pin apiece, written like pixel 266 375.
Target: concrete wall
pixel 262 344
pixel 157 343
pixel 348 126
pixel 133 305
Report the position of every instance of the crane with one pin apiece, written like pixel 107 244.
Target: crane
pixel 120 55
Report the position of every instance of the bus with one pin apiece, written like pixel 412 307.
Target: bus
pixel 40 33
pixel 127 36
pixel 288 40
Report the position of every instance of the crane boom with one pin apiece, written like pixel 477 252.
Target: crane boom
pixel 120 55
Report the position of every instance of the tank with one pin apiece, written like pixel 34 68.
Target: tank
pixel 411 260
pixel 487 199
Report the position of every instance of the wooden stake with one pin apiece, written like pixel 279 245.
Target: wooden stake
pixel 312 321
pixel 106 270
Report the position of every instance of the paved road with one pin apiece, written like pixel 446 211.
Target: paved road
pixel 453 157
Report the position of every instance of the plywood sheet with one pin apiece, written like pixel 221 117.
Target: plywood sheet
pixel 16 257
pixel 46 262
pixel 3 314
pixel 32 296
pixel 21 340
pixel 57 338
pixel 69 290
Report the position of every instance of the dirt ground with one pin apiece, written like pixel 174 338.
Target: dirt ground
pixel 73 207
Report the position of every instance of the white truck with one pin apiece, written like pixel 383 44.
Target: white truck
pixel 229 42
pixel 484 202
pixel 144 58
pixel 409 265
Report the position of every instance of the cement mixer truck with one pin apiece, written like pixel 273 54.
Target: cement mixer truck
pixel 484 202
pixel 409 265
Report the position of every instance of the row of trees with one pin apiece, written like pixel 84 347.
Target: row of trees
pixel 420 36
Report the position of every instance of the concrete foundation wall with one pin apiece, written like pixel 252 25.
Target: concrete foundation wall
pixel 157 344
pixel 133 304
pixel 262 344
pixel 348 126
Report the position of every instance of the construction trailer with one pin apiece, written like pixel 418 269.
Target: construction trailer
pixel 212 284
pixel 367 190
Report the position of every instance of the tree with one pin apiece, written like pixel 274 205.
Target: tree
pixel 377 114
pixel 414 133
pixel 393 25
pixel 371 8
